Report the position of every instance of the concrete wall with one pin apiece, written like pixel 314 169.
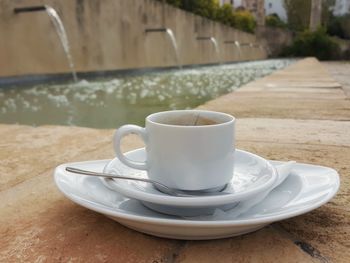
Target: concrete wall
pixel 110 35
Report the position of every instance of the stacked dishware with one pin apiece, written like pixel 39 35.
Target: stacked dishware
pixel 190 182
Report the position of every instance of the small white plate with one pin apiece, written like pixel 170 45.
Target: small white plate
pixel 252 175
pixel 307 188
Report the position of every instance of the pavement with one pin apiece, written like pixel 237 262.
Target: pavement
pixel 299 113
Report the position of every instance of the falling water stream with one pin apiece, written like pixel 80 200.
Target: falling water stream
pixel 59 28
pixel 172 38
pixel 216 46
pixel 61 32
pixel 174 44
pixel 238 45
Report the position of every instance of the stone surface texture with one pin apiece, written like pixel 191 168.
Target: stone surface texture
pixel 300 113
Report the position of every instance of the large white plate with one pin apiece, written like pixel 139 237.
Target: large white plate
pixel 307 188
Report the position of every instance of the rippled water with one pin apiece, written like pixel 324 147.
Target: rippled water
pixel 109 103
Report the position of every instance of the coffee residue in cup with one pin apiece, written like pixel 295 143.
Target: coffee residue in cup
pixel 201 121
pixel 190 120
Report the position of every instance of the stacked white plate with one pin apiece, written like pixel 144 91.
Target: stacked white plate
pixel 256 196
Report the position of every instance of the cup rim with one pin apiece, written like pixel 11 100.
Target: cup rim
pixel 153 122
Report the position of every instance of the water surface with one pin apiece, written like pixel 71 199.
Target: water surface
pixel 109 103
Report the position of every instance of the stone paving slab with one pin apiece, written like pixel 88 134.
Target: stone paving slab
pixel 45 197
pixel 279 108
pixel 37 211
pixel 47 227
pixel 262 246
pixel 325 231
pixel 340 71
pixel 316 83
pixel 38 224
pixel 293 97
pixel 34 151
pixel 307 74
pixel 289 131
pixel 315 95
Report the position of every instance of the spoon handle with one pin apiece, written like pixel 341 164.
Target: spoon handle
pixel 161 186
pixel 91 173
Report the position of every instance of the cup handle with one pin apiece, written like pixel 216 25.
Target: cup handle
pixel 119 134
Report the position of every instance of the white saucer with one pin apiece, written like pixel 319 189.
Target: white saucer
pixel 252 175
pixel 307 188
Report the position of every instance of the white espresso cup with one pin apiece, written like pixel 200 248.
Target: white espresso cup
pixel 185 149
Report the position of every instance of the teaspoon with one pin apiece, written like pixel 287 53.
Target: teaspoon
pixel 161 187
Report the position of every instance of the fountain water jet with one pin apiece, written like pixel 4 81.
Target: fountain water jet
pixel 237 44
pixel 172 38
pixel 216 46
pixel 60 30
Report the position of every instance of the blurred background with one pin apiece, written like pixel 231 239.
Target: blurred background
pixel 105 63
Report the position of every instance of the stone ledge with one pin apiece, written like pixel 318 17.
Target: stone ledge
pixel 45 226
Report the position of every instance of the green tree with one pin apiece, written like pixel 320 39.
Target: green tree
pixel 298 12
pixel 206 8
pixel 327 11
pixel 225 15
pixel 176 3
pixel 245 21
pixel 274 20
pixel 316 44
pixel 339 26
pixel 211 9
